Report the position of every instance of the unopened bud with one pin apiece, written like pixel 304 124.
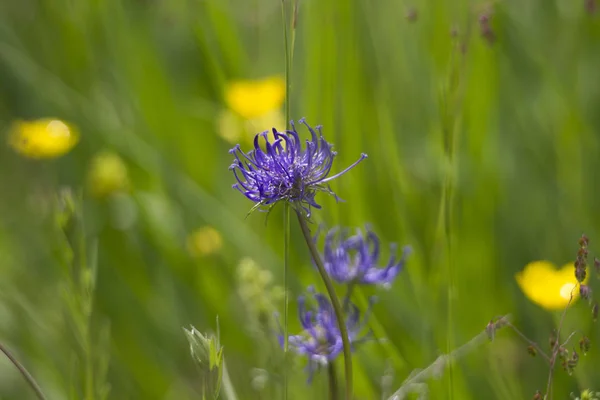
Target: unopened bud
pixel 206 350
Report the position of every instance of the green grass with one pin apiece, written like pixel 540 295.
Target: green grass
pixel 144 79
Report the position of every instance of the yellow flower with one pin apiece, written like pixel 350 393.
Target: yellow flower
pixel 204 241
pixel 108 174
pixel 548 287
pixel 254 98
pixel 235 129
pixel 42 138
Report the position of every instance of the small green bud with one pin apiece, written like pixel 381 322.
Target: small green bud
pixel 207 351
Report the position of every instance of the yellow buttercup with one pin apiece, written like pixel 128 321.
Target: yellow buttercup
pixel 42 138
pixel 204 241
pixel 547 286
pixel 251 99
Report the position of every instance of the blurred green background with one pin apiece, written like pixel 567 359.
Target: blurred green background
pixel 483 155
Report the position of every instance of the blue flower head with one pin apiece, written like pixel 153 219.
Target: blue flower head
pixel 284 171
pixel 321 340
pixel 354 259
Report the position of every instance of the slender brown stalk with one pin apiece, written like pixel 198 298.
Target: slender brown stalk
pixel 36 388
pixel 556 349
pixel 531 342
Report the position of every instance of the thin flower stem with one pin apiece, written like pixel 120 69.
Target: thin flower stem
pixel 333 388
pixel 286 212
pixel 286 266
pixel 334 301
pixel 556 349
pixel 415 382
pixel 36 388
pixel 288 60
pixel 531 342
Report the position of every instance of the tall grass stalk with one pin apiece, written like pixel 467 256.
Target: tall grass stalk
pixel 289 55
pixel 450 120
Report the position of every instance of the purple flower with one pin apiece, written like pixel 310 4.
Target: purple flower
pixel 354 259
pixel 321 340
pixel 284 170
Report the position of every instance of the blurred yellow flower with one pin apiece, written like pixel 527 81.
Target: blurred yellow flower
pixel 254 98
pixel 548 287
pixel 107 175
pixel 235 129
pixel 204 241
pixel 42 138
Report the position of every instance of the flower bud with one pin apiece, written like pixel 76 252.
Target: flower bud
pixel 208 353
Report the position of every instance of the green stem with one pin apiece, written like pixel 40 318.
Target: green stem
pixel 337 308
pixel 333 389
pixel 288 63
pixel 289 49
pixel 286 265
pixel 24 372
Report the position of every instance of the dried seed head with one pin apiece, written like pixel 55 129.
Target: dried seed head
pixel 585 292
pixel 580 273
pixel 412 14
pixel 553 339
pixel 584 345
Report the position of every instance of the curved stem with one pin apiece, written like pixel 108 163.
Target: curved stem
pixel 529 341
pixel 337 308
pixel 24 372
